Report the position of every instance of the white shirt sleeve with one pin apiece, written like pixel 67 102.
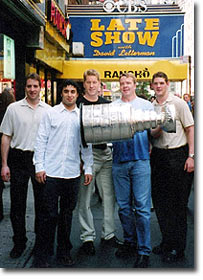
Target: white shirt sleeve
pixel 87 157
pixel 41 143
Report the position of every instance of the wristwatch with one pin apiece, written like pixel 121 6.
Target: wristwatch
pixel 191 155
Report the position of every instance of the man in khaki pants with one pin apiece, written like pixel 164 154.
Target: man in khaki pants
pixel 102 173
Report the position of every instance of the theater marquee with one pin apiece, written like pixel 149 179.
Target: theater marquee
pixel 124 36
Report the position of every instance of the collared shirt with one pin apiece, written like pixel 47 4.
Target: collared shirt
pixel 58 144
pixel 21 122
pixel 184 119
pixel 138 147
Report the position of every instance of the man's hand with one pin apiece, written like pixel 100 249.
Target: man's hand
pixel 41 177
pixel 88 179
pixel 5 174
pixel 189 165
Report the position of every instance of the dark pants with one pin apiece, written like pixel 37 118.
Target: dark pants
pixel 171 187
pixel 67 191
pixel 22 168
pixel 1 198
pixel 1 188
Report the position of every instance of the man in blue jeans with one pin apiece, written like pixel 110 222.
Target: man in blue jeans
pixel 131 176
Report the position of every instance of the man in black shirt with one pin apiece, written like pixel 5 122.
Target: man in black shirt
pixel 102 173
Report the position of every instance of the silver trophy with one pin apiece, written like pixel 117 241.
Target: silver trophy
pixel 111 122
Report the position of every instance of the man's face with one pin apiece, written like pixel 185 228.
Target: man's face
pixel 32 89
pixel 186 97
pixel 160 87
pixel 91 85
pixel 69 95
pixel 127 86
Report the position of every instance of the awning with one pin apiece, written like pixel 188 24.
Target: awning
pixel 110 70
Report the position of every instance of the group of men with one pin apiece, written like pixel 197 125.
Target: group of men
pixel 44 143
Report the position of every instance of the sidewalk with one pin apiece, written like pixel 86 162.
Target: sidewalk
pixel 103 258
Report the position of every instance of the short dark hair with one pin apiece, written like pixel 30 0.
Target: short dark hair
pixel 66 83
pixel 33 76
pixel 160 75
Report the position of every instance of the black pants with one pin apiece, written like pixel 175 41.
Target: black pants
pixel 22 169
pixel 67 191
pixel 171 187
pixel 1 198
pixel 1 187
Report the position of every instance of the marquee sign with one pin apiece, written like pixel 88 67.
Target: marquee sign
pixel 129 36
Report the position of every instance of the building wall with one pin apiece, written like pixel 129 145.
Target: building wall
pixel 188 8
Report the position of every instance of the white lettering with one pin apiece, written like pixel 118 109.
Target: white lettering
pixel 125 6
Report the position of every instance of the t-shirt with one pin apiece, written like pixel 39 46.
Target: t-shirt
pixel 83 100
pixel 138 147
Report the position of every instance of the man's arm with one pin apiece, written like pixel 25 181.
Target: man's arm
pixel 189 164
pixel 5 145
pixel 156 132
pixel 87 158
pixel 40 148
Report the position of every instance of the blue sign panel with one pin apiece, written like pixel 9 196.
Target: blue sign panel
pixel 130 36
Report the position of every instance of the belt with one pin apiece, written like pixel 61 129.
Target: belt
pixel 171 149
pixel 19 151
pixel 100 146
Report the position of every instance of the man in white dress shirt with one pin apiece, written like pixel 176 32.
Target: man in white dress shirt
pixel 19 128
pixel 57 158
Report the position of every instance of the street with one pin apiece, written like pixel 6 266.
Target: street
pixel 105 257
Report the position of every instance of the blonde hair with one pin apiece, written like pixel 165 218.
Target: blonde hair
pixel 91 72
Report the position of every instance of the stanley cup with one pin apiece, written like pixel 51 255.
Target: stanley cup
pixel 111 122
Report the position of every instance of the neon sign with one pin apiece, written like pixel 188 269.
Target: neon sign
pixel 57 19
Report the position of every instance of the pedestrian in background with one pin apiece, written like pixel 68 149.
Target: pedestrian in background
pixel 57 162
pixel 102 173
pixel 6 98
pixel 186 97
pixel 193 105
pixel 19 127
pixel 172 161
pixel 132 181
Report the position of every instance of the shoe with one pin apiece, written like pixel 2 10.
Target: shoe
pixel 112 242
pixel 40 263
pixel 160 249
pixel 65 260
pixel 142 261
pixel 173 256
pixel 126 250
pixel 36 251
pixel 88 248
pixel 17 251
